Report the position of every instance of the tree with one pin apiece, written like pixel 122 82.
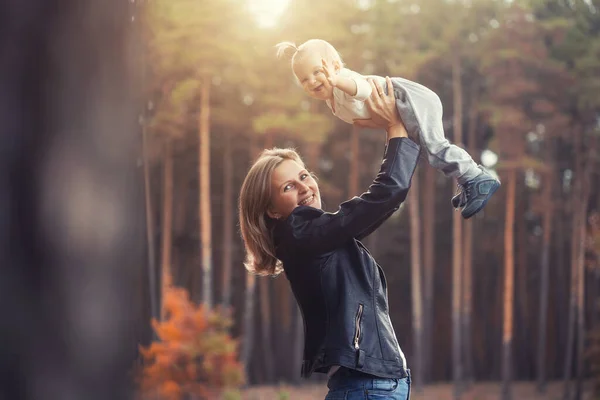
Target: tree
pixel 195 354
pixel 181 50
pixel 416 285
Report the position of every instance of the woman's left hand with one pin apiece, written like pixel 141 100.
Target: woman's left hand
pixel 382 107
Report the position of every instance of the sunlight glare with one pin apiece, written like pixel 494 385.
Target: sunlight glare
pixel 267 12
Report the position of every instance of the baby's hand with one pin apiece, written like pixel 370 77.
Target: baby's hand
pixel 329 73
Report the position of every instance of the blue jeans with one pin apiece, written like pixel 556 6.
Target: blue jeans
pixel 347 384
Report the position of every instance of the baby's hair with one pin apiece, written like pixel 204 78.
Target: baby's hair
pixel 324 48
pixel 284 47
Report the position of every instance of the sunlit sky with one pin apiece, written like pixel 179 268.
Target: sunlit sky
pixel 267 12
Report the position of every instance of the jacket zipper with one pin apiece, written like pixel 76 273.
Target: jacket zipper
pixel 357 325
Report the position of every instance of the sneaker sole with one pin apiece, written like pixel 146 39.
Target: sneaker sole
pixel 484 202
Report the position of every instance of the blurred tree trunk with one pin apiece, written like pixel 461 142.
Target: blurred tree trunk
pixel 248 322
pixel 562 305
pixel 416 285
pixel 167 223
pixel 353 177
pixel 457 242
pixel 509 265
pixel 545 273
pixel 150 243
pixel 581 270
pixel 467 301
pixel 71 200
pixel 204 195
pixel 575 204
pixel 265 315
pixel 521 338
pixel 572 316
pixel 428 270
pixel 264 291
pixel 228 222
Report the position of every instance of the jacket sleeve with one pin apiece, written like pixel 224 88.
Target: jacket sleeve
pixel 313 231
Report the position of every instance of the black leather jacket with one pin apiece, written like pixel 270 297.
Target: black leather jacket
pixel 339 287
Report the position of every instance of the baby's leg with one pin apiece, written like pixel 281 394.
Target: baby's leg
pixel 421 111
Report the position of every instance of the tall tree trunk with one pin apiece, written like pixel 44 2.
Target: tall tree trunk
pixel 248 322
pixel 264 288
pixel 467 300
pixel 509 272
pixel 457 244
pixel 544 284
pixel 522 338
pixel 562 279
pixel 265 315
pixel 167 225
pixel 353 177
pixel 428 270
pixel 71 217
pixel 417 295
pixel 228 210
pixel 204 195
pixel 572 316
pixel 575 203
pixel 248 330
pixel 581 272
pixel 150 244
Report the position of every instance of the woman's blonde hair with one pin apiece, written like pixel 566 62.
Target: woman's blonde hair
pixel 319 46
pixel 255 199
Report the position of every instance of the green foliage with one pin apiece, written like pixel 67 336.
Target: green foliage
pixel 283 395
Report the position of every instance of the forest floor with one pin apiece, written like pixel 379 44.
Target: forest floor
pixel 442 391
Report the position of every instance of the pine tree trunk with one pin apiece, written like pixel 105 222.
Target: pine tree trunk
pixel 545 268
pixel 467 301
pixel 544 284
pixel 428 270
pixel 522 338
pixel 265 315
pixel 581 272
pixel 353 177
pixel 572 315
pixel 561 310
pixel 248 330
pixel 228 223
pixel 264 292
pixel 152 273
pixel 167 224
pixel 417 295
pixel 248 322
pixel 509 265
pixel 575 203
pixel 204 195
pixel 457 242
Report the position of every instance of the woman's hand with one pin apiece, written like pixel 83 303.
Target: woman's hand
pixel 382 108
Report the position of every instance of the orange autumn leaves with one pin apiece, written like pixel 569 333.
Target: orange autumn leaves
pixel 195 354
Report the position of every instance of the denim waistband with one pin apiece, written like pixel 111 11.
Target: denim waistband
pixel 349 372
pixel 347 377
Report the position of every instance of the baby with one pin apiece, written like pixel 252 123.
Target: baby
pixel 319 69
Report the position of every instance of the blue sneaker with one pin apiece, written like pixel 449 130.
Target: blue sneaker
pixel 474 194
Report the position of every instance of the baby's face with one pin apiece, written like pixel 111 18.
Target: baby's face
pixel 309 72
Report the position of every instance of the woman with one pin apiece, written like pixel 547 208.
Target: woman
pixel 338 285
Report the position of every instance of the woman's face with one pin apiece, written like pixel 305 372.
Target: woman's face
pixel 292 186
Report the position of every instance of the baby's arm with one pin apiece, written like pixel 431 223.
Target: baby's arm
pixel 352 84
